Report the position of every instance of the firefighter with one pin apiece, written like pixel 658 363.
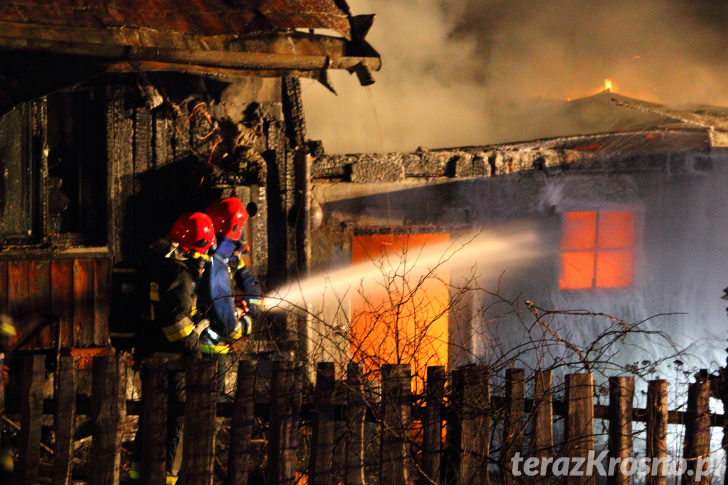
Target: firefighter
pixel 171 327
pixel 229 291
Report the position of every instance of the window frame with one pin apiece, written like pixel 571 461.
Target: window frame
pixel 35 153
pixel 637 245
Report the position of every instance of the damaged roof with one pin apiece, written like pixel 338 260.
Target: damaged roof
pixel 135 22
pixel 49 44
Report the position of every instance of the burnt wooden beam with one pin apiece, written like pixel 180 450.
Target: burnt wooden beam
pixel 316 61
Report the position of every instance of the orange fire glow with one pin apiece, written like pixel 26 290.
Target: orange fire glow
pixel 401 317
pixel 607 84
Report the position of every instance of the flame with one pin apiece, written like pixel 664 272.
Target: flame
pixel 607 85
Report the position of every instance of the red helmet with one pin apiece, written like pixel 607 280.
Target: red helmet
pixel 228 217
pixel 193 232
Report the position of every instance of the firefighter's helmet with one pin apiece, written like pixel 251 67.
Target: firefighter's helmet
pixel 228 216
pixel 193 232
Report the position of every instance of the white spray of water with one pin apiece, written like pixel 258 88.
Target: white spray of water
pixel 487 251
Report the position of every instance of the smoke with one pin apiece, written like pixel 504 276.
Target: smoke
pixel 480 71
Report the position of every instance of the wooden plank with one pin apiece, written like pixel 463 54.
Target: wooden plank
pixel 322 437
pixel 355 414
pixel 285 412
pixel 475 425
pixel 697 434
pixel 62 298
pixel 621 394
pixel 63 419
pixel 657 430
pixel 198 449
pixel 513 427
pixel 108 409
pixel 31 412
pixel 154 418
pixel 432 433
pixel 395 466
pixel 40 300
pixel 2 383
pixel 240 462
pixel 542 443
pixel 83 302
pixel 18 295
pixel 102 292
pixel 579 420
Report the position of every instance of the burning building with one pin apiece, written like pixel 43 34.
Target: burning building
pixel 118 116
pixel 628 223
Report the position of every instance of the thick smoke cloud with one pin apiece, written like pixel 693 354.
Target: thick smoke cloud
pixel 464 72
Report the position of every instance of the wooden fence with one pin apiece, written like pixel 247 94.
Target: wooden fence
pixel 457 432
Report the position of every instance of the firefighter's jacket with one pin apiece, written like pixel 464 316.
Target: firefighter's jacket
pixel 169 322
pixel 217 294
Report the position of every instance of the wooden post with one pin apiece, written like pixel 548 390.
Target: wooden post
pixel 198 446
pixel 474 426
pixel 395 466
pixel 579 420
pixel 513 428
pixel 542 442
pixel 432 434
pixel 64 419
pixel 322 436
pixel 697 434
pixel 154 416
pixel 657 430
pixel 31 411
pixel 2 383
pixel 621 393
pixel 108 410
pixel 355 414
pixel 285 411
pixel 239 461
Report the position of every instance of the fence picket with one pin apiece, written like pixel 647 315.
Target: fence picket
pixel 63 420
pixel 108 411
pixel 322 436
pixel 30 424
pixel 697 433
pixel 395 468
pixel 285 412
pixel 513 426
pixel 355 415
pixel 657 429
pixel 542 442
pixel 239 460
pixel 579 421
pixel 474 425
pixel 154 417
pixel 432 432
pixel 621 394
pixel 198 449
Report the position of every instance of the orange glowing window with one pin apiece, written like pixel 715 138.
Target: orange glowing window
pixel 597 249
